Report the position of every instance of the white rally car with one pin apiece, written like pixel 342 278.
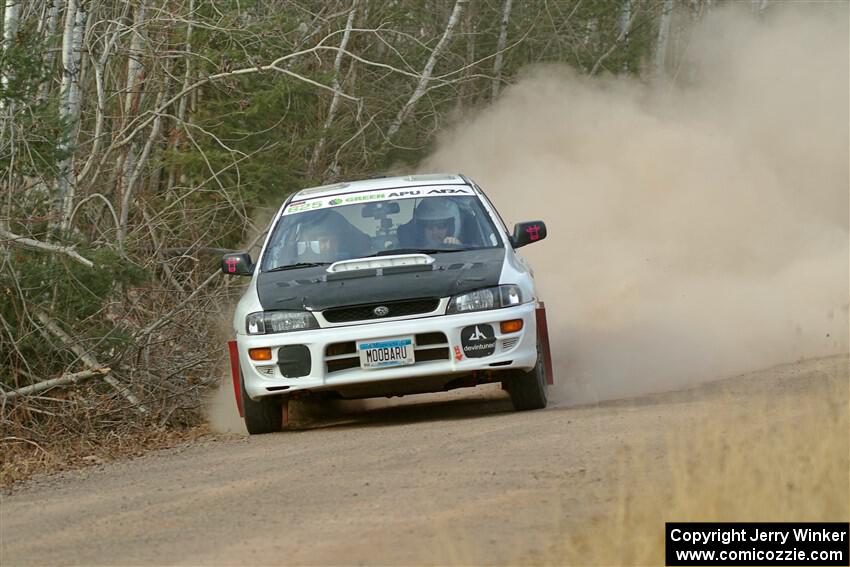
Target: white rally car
pixel 387 287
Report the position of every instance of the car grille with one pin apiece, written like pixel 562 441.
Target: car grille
pixel 366 312
pixel 429 347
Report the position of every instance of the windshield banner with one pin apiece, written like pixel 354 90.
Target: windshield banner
pixel 375 195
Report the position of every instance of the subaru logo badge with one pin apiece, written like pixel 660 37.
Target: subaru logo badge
pixel 381 311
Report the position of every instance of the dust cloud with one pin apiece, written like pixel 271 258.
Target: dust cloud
pixel 698 228
pixel 221 411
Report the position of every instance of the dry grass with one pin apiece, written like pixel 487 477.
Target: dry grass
pixel 779 458
pixel 23 459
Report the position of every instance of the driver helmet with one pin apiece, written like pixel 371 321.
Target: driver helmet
pixel 318 240
pixel 438 211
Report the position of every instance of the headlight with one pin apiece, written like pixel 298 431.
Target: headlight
pixel 267 322
pixel 488 298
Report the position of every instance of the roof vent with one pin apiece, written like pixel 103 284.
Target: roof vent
pixel 312 190
pixel 431 177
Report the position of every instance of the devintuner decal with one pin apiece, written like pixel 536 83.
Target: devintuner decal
pixel 478 341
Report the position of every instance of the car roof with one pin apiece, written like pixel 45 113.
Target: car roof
pixel 382 183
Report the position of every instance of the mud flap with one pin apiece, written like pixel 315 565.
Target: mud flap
pixel 543 339
pixel 234 373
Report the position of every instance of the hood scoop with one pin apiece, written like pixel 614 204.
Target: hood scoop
pixel 423 261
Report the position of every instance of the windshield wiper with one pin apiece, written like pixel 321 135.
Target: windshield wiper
pixel 298 265
pixel 395 251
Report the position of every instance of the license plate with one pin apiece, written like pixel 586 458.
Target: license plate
pixel 396 351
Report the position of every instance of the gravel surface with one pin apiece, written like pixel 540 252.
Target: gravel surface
pixel 437 480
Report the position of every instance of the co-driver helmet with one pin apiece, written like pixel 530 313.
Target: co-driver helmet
pixel 438 210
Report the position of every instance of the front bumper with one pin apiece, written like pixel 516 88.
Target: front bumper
pixel 517 350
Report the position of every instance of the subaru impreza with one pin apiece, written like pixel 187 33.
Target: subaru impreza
pixel 387 287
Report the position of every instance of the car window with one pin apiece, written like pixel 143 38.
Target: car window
pixel 333 229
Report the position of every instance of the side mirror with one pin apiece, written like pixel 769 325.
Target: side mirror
pixel 237 264
pixel 528 232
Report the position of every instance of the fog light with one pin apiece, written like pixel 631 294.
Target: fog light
pixel 260 353
pixel 511 326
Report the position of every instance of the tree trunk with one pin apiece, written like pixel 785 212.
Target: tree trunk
pixel 183 105
pixel 69 110
pixel 52 23
pixel 134 61
pixel 11 17
pixel 625 17
pixel 133 175
pixel 663 36
pixel 64 380
pixel 626 26
pixel 500 47
pixel 132 101
pixel 622 37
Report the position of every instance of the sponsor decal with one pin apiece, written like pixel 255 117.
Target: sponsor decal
pixel 458 353
pixel 402 194
pixel 303 206
pixel 428 192
pixel 533 232
pixel 478 341
pixel 365 197
pixel 449 192
pixel 335 202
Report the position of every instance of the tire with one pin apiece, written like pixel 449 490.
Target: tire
pixel 262 416
pixel 528 390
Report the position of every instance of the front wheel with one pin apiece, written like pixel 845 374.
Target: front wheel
pixel 528 390
pixel 261 416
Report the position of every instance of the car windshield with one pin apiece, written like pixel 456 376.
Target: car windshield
pixel 321 231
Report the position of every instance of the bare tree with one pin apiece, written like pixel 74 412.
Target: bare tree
pixel 427 71
pixel 335 100
pixel 622 38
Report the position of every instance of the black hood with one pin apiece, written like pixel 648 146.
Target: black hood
pixel 314 289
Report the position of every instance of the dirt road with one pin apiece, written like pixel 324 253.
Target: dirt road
pixel 447 482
